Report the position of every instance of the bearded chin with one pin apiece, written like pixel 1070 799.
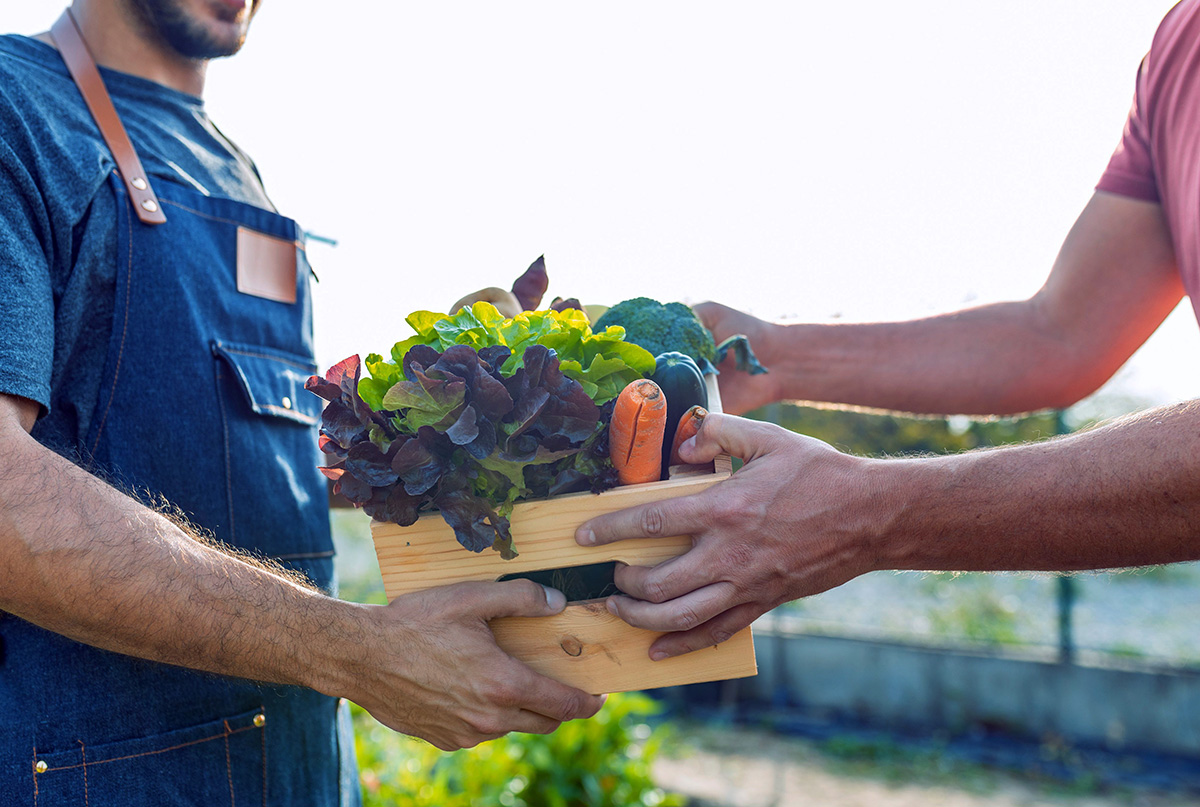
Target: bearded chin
pixel 168 21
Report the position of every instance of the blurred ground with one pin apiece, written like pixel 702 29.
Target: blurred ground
pixel 1147 614
pixel 739 767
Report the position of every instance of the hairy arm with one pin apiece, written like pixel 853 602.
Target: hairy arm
pixel 1112 284
pixel 800 518
pixel 82 559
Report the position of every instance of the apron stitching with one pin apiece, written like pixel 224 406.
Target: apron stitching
pixel 227 221
pixel 228 469
pixel 121 350
pixel 308 368
pixel 291 413
pixel 83 756
pixel 35 775
pixel 151 753
pixel 263 738
pixel 228 765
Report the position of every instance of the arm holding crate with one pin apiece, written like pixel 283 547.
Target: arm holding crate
pixel 800 518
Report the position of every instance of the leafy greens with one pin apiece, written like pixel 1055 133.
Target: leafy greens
pixel 473 413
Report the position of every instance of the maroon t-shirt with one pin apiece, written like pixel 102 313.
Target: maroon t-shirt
pixel 1158 159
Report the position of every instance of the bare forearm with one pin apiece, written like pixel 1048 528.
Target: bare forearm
pixel 1113 283
pixel 82 559
pixel 990 360
pixel 1119 495
pixel 800 517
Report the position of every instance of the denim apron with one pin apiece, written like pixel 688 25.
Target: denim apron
pixel 202 406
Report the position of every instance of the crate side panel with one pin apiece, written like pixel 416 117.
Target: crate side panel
pixel 587 647
pixel 427 554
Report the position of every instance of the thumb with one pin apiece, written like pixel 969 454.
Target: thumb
pixel 519 598
pixel 728 434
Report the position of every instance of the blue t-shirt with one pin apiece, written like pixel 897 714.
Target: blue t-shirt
pixel 58 239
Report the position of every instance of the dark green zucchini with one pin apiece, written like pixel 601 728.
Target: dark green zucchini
pixel 681 381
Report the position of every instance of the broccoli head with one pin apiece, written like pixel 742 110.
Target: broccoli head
pixel 662 328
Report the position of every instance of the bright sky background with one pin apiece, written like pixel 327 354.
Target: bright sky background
pixel 868 160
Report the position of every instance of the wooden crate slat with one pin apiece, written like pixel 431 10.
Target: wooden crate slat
pixel 427 554
pixel 587 647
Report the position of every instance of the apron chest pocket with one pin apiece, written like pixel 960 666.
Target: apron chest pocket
pixel 278 500
pixel 272 381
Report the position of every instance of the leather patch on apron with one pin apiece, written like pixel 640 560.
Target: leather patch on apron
pixel 266 266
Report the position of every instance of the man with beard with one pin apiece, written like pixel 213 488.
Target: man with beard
pixel 155 328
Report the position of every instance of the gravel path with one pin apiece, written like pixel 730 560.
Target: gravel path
pixel 742 768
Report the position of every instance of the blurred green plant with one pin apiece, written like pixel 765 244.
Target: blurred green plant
pixel 974 606
pixel 872 433
pixel 977 614
pixel 601 762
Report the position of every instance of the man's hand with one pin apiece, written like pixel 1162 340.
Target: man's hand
pixel 774 531
pixel 432 668
pixel 742 392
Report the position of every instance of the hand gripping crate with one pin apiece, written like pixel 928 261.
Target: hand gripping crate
pixel 584 646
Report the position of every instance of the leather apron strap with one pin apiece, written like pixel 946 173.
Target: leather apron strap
pixel 82 68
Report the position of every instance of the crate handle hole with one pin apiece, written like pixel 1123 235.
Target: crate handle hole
pixel 593 581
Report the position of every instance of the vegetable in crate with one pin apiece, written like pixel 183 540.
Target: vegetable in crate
pixel 476 412
pixel 529 287
pixel 675 327
pixel 682 382
pixel 636 433
pixel 688 427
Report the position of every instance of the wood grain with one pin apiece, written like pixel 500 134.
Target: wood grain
pixel 427 553
pixel 587 647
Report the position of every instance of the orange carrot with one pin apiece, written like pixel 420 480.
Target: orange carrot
pixel 689 424
pixel 635 433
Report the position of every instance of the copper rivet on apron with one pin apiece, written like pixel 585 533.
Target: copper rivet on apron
pixel 41 766
pixel 260 720
pixel 287 402
pixel 139 183
pixel 150 205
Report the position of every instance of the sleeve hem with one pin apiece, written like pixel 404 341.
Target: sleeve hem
pixel 36 391
pixel 1131 185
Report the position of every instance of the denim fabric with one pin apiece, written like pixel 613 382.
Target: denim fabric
pixel 191 411
pixel 58 222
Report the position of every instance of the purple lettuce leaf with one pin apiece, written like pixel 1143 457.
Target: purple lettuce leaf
pixel 487 392
pixel 466 429
pixel 476 525
pixel 421 461
pixel 332 386
pixel 457 435
pixel 371 465
pixel 394 504
pixel 563 408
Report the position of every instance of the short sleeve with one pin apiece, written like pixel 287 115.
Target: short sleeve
pixel 1130 171
pixel 26 289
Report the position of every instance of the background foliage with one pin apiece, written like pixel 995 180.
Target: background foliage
pixel 602 762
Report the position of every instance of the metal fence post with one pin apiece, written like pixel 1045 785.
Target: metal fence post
pixel 1066 583
pixel 1066 602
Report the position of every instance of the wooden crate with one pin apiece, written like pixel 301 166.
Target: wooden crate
pixel 584 646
